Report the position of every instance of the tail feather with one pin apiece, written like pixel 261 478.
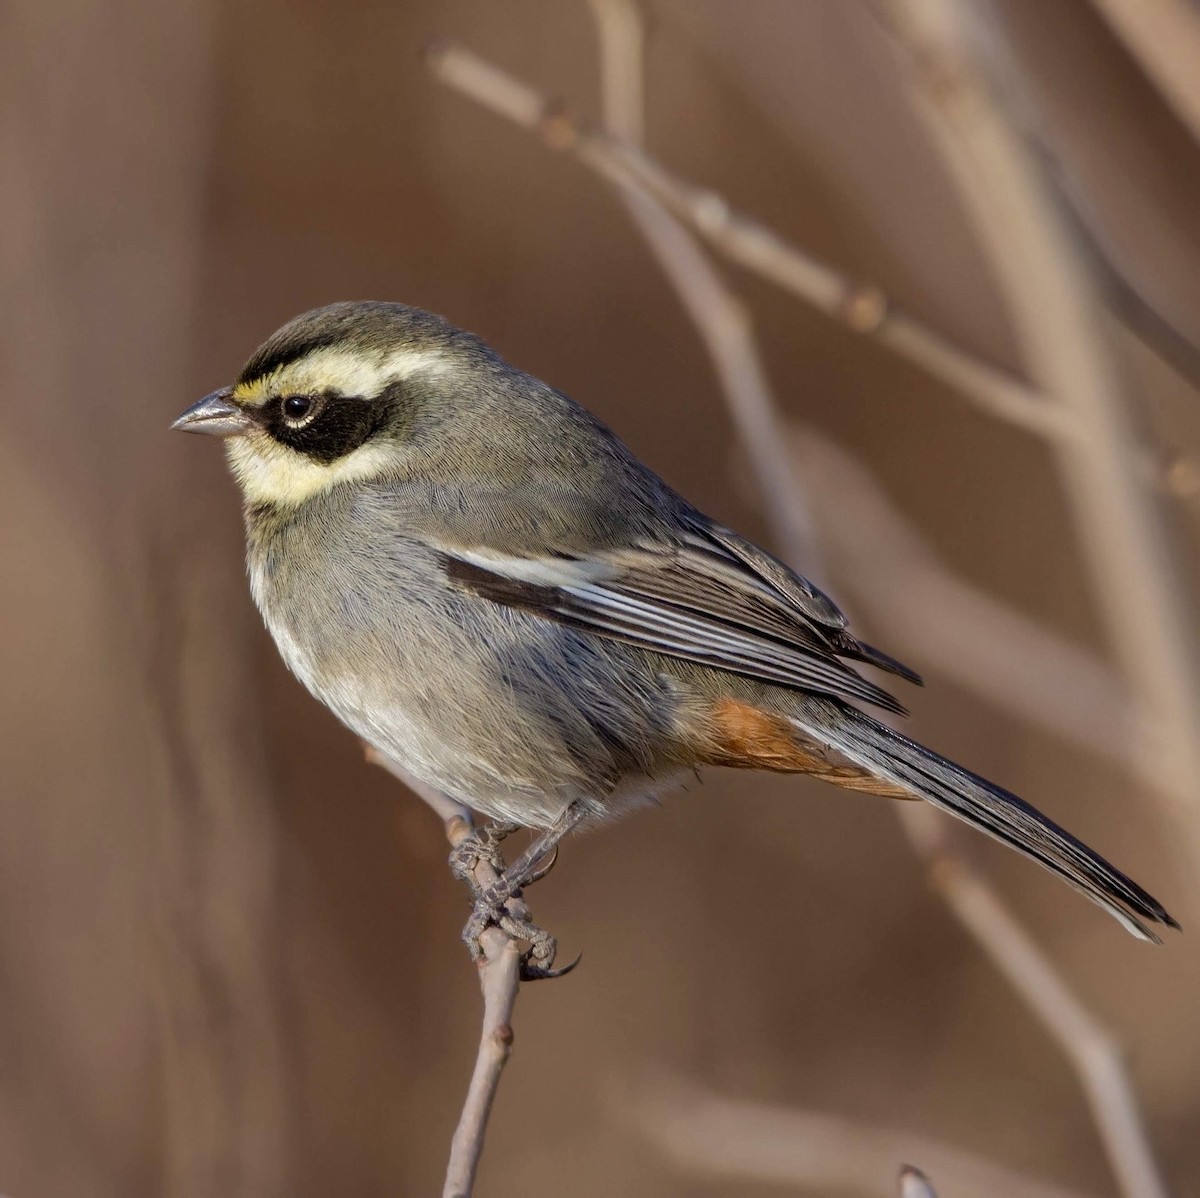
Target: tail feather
pixel 992 810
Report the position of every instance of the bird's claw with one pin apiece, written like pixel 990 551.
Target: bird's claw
pixel 499 905
pixel 492 909
pixel 537 961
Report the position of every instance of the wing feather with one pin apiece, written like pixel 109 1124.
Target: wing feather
pixel 701 600
pixel 672 631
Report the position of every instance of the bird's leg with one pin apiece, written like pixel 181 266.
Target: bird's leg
pixel 538 859
pixel 483 844
pixel 491 903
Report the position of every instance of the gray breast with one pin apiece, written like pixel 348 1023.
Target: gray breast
pixel 502 710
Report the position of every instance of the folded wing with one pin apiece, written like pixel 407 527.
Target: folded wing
pixel 710 598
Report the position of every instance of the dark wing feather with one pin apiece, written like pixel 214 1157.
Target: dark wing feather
pixel 700 600
pixel 815 605
pixel 798 594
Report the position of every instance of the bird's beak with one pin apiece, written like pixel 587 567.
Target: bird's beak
pixel 215 414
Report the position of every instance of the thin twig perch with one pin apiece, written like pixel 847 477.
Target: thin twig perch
pixel 499 981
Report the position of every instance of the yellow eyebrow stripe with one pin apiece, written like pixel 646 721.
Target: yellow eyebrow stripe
pixel 336 368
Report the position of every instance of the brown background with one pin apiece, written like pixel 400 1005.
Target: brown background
pixel 228 949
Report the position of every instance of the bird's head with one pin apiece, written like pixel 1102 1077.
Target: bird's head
pixel 334 396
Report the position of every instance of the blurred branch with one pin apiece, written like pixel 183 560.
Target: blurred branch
pixel 914 1184
pixel 1092 1049
pixel 1046 289
pixel 1062 686
pixel 978 907
pixel 621 27
pixel 1041 677
pixel 861 307
pixel 623 166
pixel 1124 542
pixel 1164 36
pixel 923 609
pixel 718 315
pixel 707 1134
pixel 1034 108
pixel 1166 340
pixel 970 898
pixel 499 980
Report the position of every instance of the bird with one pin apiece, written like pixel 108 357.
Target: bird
pixel 479 579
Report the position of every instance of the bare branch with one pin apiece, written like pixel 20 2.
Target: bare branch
pixel 914 1184
pixel 1047 672
pixel 1164 36
pixel 707 1134
pixel 971 899
pixel 862 307
pixel 1134 574
pixel 1120 531
pixel 1091 1048
pixel 622 29
pixel 1107 1087
pixel 1112 1101
pixel 499 980
pixel 718 315
pixel 1125 298
pixel 943 622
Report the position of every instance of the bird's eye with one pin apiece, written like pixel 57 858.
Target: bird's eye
pixel 297 407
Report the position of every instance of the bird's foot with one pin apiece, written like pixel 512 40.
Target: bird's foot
pixel 499 905
pixel 537 961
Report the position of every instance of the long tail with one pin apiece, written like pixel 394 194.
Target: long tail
pixel 993 810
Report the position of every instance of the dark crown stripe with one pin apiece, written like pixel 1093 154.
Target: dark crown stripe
pixel 274 356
